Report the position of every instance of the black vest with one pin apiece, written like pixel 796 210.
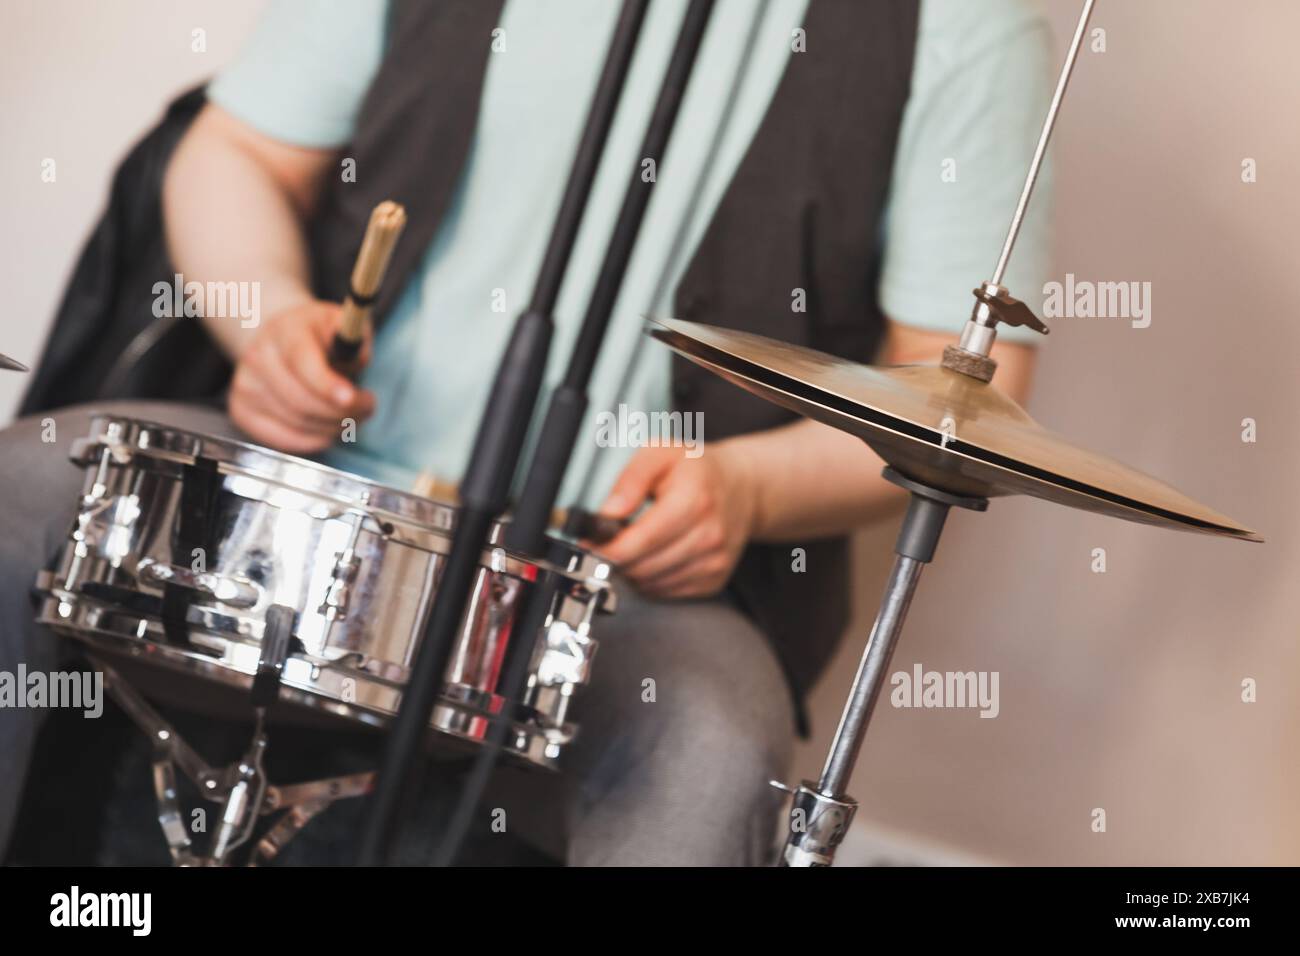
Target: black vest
pixel 802 212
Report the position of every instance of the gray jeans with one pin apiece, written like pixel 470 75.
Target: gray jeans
pixel 681 780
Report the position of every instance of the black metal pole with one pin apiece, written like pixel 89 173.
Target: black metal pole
pixel 568 404
pixel 485 487
pixel 527 531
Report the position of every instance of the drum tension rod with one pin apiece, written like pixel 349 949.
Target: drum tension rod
pixel 821 811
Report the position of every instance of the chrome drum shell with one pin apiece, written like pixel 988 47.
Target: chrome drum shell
pixel 357 561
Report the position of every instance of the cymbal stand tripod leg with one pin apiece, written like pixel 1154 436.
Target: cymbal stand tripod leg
pixel 821 811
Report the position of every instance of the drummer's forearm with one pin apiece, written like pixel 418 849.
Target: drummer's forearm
pixel 815 481
pixel 233 206
pixel 811 481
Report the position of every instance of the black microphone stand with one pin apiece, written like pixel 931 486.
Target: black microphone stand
pixel 485 487
pixel 526 533
pixel 484 490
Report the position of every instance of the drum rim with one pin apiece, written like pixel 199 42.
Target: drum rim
pixel 241 454
pixel 260 463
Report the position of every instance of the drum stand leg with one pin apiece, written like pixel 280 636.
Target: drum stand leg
pixel 241 788
pixel 821 811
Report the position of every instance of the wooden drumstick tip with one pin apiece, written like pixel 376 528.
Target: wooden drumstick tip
pixel 387 220
pixel 429 485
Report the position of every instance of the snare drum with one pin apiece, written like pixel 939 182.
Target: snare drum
pixel 183 541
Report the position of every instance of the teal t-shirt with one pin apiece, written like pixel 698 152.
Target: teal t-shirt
pixel 981 83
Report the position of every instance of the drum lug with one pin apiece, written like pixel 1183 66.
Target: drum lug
pixel 105 524
pixel 346 565
pixel 566 656
pixel 335 605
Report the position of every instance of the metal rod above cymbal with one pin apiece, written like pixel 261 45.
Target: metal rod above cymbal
pixel 993 304
pixel 1040 151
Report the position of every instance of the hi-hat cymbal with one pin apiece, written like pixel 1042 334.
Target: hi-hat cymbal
pixel 12 364
pixel 941 427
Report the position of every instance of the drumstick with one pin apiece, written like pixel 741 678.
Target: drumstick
pixel 575 522
pixel 386 224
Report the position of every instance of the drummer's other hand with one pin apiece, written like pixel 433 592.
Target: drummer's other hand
pixel 687 542
pixel 285 394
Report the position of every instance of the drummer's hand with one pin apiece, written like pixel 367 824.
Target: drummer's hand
pixel 688 541
pixel 285 394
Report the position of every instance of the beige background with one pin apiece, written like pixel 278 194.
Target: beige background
pixel 1118 690
pixel 1122 690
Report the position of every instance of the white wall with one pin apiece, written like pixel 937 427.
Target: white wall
pixel 80 80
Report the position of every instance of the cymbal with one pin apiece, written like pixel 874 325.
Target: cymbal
pixel 12 364
pixel 942 428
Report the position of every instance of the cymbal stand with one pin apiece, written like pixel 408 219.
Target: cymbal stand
pixel 821 811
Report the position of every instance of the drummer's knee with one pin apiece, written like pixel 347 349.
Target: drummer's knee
pixel 729 728
pixel 676 767
pixel 693 687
